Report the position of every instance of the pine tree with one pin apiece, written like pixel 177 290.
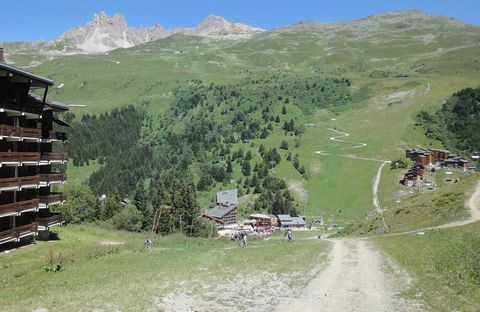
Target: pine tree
pixel 246 168
pixel 140 201
pixel 110 207
pixel 261 150
pixel 229 167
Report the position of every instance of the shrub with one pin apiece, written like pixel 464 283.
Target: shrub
pixel 204 228
pixel 129 218
pixel 81 204
pixel 53 263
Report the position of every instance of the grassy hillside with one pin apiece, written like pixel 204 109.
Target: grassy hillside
pixel 109 270
pixel 398 65
pixel 417 211
pixel 445 265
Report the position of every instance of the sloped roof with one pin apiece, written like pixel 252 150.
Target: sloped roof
pixel 220 211
pixel 292 221
pixel 53 104
pixel 298 221
pixel 284 217
pixel 228 196
pixel 37 81
pixel 260 216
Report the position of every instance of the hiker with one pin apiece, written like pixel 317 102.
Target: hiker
pixel 243 236
pixel 148 243
pixel 288 235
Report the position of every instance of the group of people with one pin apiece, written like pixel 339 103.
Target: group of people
pixel 242 236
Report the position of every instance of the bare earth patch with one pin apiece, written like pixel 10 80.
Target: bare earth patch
pixel 316 166
pixel 297 187
pixel 111 243
pixel 250 292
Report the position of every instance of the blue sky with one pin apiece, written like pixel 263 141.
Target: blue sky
pixel 33 20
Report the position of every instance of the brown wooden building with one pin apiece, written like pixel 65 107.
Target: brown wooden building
pixel 225 212
pixel 28 165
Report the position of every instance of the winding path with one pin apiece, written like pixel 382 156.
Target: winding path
pixel 342 135
pixel 473 205
pixel 376 181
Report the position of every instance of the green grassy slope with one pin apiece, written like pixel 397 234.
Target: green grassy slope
pixel 444 264
pixel 110 270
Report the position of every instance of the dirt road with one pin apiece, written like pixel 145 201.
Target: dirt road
pixel 355 279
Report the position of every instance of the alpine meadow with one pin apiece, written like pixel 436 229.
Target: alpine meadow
pixel 224 167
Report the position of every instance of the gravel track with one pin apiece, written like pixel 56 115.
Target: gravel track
pixel 354 280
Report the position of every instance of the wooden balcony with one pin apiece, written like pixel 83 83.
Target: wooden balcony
pixel 10 184
pixel 54 157
pixel 52 178
pixel 19 158
pixel 15 209
pixel 14 235
pixel 52 199
pixel 20 133
pixel 53 220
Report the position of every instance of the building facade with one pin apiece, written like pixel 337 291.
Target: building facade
pixel 225 212
pixel 28 165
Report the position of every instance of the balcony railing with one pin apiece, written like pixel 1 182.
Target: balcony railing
pixel 19 157
pixel 48 178
pixel 20 132
pixel 16 233
pixel 52 199
pixel 19 207
pixel 57 135
pixel 55 157
pixel 52 220
pixel 20 182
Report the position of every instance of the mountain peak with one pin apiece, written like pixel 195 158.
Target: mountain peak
pixel 104 33
pixel 212 17
pixel 218 26
pixel 102 18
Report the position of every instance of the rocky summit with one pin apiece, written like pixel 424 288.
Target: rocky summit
pixel 104 33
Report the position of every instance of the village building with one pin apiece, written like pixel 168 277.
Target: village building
pixel 225 211
pixel 287 221
pixel 28 165
pixel 431 157
pixel 436 157
pixel 414 175
pixel 264 219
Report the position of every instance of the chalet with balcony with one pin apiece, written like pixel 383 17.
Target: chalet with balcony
pixel 436 157
pixel 28 162
pixel 225 212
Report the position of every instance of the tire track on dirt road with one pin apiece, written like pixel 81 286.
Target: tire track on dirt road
pixel 354 280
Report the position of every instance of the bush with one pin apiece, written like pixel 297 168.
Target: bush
pixel 81 204
pixel 204 228
pixel 53 263
pixel 129 218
